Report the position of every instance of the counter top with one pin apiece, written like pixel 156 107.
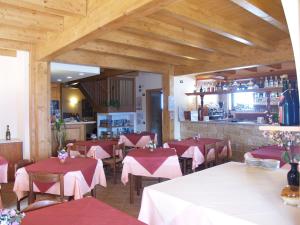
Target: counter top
pixel 227 122
pixel 78 123
pixel 14 140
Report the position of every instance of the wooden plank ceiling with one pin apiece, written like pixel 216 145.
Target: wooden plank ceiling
pixel 195 36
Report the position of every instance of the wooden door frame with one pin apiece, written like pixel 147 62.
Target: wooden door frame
pixel 148 106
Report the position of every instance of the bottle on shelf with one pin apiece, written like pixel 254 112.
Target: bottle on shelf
pixel 276 82
pixel 266 83
pixel 201 89
pixel 295 102
pixel 7 134
pixel 261 83
pixel 271 82
pixel 288 117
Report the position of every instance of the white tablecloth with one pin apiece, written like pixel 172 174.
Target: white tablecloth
pixel 229 194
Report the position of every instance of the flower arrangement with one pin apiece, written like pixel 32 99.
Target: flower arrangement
pixel 59 132
pixel 10 217
pixel 62 155
pixel 151 145
pixel 287 140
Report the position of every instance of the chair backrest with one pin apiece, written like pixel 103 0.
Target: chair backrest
pixel 40 204
pixel 70 141
pixel 207 149
pixel 82 149
pixel 119 151
pixel 23 163
pixel 229 150
pixel 46 178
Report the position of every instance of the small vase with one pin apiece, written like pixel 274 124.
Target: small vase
pixel 62 160
pixel 293 175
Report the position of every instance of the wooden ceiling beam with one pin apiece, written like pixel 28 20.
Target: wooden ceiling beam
pixel 14 45
pixel 282 53
pixel 251 69
pixel 141 41
pixel 205 19
pixel 134 52
pixel 111 61
pixel 56 7
pixel 157 29
pixel 8 52
pixel 21 34
pixel 289 72
pixel 27 18
pixel 266 10
pixel 277 66
pixel 102 17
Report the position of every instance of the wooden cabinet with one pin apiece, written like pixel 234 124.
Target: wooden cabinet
pixel 55 91
pixel 12 152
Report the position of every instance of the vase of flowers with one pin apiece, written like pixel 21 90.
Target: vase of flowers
pixel 62 155
pixel 151 145
pixel 10 217
pixel 288 140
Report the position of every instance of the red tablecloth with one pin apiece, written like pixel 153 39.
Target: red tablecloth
pixel 183 145
pixel 271 152
pixel 86 211
pixel 87 167
pixel 151 160
pixel 106 145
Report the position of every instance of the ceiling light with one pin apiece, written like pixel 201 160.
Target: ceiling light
pixel 69 77
pixel 59 80
pixel 81 74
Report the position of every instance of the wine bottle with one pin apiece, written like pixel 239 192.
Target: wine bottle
pixel 287 105
pixel 295 103
pixel 266 83
pixel 7 134
pixel 271 82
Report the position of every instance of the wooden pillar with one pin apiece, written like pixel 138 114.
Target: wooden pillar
pixel 168 116
pixel 39 108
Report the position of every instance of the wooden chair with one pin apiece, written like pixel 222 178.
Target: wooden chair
pixel 116 159
pixel 45 178
pixel 39 205
pixel 79 148
pixel 221 147
pixel 18 165
pixel 210 161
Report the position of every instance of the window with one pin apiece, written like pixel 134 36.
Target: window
pixel 243 101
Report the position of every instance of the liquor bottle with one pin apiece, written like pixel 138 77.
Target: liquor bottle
pixel 271 83
pixel 7 134
pixel 266 83
pixel 276 82
pixel 201 89
pixel 287 105
pixel 295 102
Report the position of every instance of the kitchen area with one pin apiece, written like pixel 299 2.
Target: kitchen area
pixel 233 105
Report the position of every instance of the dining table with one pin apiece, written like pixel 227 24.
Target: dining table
pixel 231 193
pixel 97 149
pixel 194 148
pixel 145 162
pixel 81 175
pixel 85 211
pixel 138 140
pixel 270 152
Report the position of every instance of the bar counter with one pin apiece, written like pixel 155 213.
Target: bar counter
pixel 244 136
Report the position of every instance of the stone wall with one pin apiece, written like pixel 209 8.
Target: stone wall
pixel 243 137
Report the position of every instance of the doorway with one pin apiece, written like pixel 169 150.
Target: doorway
pixel 154 113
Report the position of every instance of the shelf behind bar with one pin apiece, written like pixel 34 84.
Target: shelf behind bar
pixel 257 90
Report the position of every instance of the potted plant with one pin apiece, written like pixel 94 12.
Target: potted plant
pixel 60 133
pixel 288 140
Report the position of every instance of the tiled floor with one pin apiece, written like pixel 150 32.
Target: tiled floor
pixel 116 195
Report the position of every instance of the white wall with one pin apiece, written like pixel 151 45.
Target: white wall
pixel 14 98
pixel 147 81
pixel 182 85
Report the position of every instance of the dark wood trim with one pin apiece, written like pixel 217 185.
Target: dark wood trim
pixel 148 106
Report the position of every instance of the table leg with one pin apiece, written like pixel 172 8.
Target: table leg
pixel 138 185
pixel 184 166
pixel 131 184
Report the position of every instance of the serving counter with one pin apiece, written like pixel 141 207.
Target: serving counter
pixel 244 136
